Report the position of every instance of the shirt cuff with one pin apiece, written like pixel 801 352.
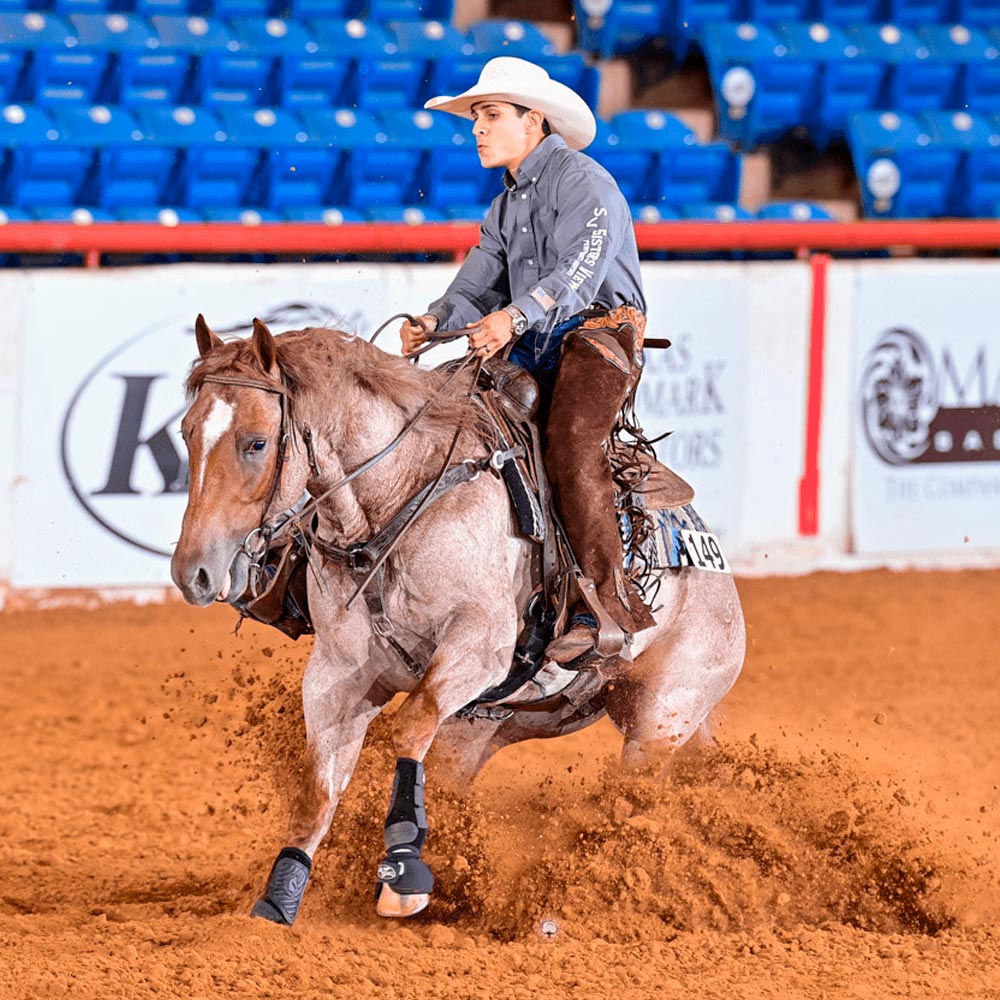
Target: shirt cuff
pixel 530 307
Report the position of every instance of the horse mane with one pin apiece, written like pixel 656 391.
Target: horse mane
pixel 313 359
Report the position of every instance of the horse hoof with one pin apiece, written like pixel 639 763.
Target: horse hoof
pixel 393 904
pixel 266 910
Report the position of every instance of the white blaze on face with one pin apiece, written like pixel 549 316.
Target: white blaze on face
pixel 218 421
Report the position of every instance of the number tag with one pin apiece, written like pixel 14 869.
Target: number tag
pixel 701 550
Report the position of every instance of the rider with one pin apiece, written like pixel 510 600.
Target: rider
pixel 556 271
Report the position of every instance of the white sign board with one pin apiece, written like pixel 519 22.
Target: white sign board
pixel 696 389
pixel 101 476
pixel 100 471
pixel 926 448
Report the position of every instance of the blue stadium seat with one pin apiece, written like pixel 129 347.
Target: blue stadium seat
pixel 71 76
pixel 977 13
pixel 430 39
pixel 165 216
pixel 654 213
pixel 762 90
pixel 112 31
pixel 273 36
pixel 630 166
pixel 651 130
pixel 977 57
pixel 625 26
pixel 782 11
pixel 413 215
pixel 711 211
pixel 195 34
pixel 389 81
pixel 136 175
pixel 848 81
pixel 692 16
pixel 385 78
pixel 793 211
pixel 170 8
pixel 49 173
pixel 307 10
pixel 466 213
pixel 155 78
pixel 237 78
pixel 9 215
pixel 220 175
pixel 179 126
pixel 917 12
pixel 845 12
pixel 249 216
pixel 374 171
pixel 510 38
pixel 384 11
pixel 902 172
pixel 308 81
pixel 21 126
pixel 917 81
pixel 300 176
pixel 96 125
pixel 262 127
pixel 699 173
pixel 64 7
pixel 329 215
pixel 14 81
pixel 228 9
pixel 32 29
pixel 978 141
pixel 78 215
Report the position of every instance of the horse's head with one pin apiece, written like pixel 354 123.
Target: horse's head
pixel 233 433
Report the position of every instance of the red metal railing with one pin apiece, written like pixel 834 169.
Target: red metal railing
pixel 455 239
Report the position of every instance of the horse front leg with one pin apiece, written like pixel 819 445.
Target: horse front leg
pixel 337 718
pixel 470 660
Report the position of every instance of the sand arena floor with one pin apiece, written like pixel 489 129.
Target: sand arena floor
pixel 841 841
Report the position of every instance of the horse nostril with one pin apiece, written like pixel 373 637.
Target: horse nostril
pixel 201 580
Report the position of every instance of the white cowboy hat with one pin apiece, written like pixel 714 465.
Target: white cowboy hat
pixel 518 81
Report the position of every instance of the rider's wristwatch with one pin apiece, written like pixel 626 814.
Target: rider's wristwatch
pixel 518 319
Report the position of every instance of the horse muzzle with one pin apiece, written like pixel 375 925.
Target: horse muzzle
pixel 202 581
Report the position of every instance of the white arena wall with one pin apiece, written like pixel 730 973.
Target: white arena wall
pixel 92 365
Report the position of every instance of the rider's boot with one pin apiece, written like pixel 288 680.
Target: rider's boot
pixel 599 367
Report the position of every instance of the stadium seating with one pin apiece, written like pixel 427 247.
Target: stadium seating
pixel 977 139
pixel 762 89
pixel 848 81
pixel 609 29
pixel 903 173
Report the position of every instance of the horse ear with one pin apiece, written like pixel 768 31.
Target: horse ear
pixel 207 340
pixel 264 346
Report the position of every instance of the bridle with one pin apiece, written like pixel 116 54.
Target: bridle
pixel 257 541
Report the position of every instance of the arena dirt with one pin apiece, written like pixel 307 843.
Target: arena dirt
pixel 839 841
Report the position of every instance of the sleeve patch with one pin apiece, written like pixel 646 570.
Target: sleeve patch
pixel 543 298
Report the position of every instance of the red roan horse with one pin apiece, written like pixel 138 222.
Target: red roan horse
pixel 455 586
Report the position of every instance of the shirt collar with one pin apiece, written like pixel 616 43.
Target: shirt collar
pixel 534 163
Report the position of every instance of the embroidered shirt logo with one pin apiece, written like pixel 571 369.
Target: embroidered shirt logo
pixel 543 298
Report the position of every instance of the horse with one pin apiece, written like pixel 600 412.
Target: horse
pixel 325 413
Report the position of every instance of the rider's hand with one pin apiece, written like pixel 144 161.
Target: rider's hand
pixel 413 335
pixel 491 334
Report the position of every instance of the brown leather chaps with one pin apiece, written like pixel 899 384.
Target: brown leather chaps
pixel 599 367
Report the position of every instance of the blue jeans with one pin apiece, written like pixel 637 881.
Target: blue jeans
pixel 538 353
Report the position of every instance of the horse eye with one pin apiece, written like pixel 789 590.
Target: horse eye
pixel 258 445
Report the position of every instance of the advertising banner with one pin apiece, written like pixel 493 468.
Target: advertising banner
pixel 695 390
pixel 926 448
pixel 100 468
pixel 101 480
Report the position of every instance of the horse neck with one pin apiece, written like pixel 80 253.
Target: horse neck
pixel 361 428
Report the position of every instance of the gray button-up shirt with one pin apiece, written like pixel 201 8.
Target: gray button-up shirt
pixel 558 239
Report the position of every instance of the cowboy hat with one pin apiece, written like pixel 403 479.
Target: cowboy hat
pixel 517 81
